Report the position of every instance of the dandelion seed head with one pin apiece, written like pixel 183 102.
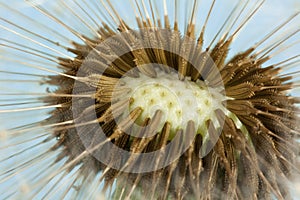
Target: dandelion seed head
pixel 154 101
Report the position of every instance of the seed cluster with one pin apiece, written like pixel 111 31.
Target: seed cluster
pixel 251 130
pixel 144 99
pixel 179 101
pixel 246 162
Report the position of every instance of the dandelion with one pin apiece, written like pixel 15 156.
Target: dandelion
pixel 140 99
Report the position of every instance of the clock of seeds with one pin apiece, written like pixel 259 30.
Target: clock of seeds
pixel 148 99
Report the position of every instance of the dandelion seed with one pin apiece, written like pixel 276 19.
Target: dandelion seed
pixel 145 101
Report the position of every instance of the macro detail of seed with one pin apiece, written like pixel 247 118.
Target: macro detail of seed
pixel 179 101
pixel 147 106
